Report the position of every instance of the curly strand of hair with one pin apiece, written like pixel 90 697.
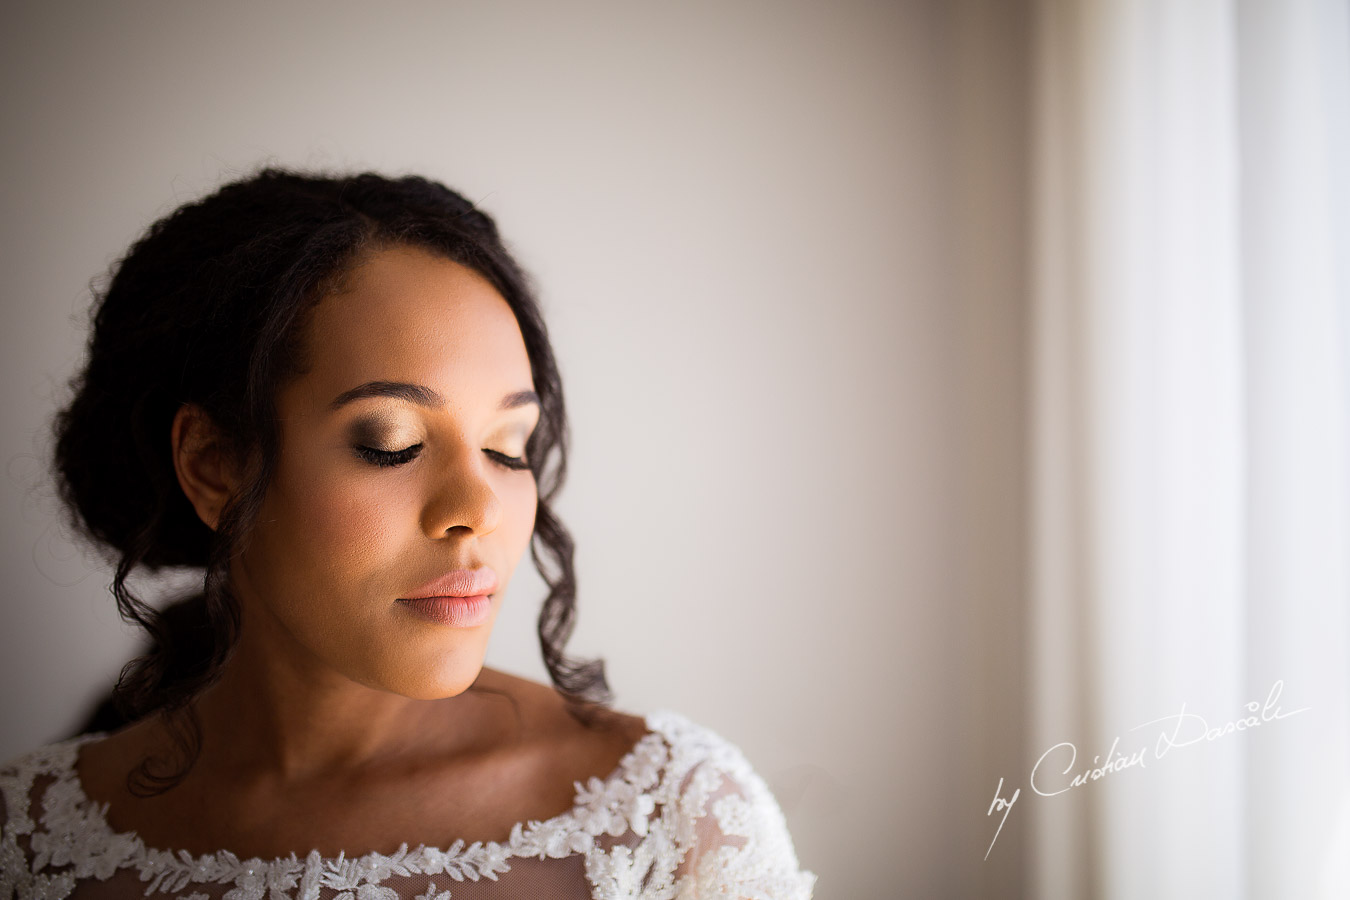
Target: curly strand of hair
pixel 580 681
pixel 183 664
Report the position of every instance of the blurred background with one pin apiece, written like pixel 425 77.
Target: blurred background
pixel 989 359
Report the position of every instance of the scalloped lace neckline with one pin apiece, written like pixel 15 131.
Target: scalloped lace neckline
pixel 648 758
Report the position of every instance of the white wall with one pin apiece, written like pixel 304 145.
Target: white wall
pixel 786 379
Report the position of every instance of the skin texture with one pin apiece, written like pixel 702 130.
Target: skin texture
pixel 339 538
pixel 343 721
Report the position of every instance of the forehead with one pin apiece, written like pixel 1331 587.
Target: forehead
pixel 405 314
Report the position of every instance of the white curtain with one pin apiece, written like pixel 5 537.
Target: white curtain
pixel 1191 481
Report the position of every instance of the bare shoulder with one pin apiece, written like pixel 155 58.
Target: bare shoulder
pixel 103 763
pixel 519 753
pixel 593 747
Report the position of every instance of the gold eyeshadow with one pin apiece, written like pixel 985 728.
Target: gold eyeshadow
pixel 379 432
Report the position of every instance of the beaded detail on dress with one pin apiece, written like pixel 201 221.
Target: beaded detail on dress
pixel 683 816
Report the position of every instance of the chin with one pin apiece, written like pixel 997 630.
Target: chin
pixel 437 683
pixel 439 691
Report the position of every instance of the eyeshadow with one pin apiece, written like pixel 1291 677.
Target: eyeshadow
pixel 372 431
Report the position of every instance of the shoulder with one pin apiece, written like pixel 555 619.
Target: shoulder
pixel 24 775
pixel 728 833
pixel 50 758
pixel 37 785
pixel 697 744
pixel 536 719
pixel 702 763
pixel 711 778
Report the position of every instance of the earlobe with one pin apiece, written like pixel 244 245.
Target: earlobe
pixel 203 465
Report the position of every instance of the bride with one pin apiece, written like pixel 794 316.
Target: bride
pixel 336 399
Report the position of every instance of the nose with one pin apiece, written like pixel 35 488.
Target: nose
pixel 461 497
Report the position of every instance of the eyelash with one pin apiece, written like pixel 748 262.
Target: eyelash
pixel 389 458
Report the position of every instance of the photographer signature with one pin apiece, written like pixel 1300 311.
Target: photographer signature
pixel 1186 728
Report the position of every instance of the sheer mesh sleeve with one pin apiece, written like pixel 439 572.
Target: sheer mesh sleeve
pixel 740 845
pixel 714 831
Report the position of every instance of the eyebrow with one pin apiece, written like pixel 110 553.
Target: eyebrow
pixel 419 394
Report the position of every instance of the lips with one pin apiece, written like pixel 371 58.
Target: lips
pixel 459 583
pixel 458 612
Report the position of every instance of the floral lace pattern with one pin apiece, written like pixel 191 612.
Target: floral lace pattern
pixel 683 816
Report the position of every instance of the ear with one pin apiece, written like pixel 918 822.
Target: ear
pixel 205 470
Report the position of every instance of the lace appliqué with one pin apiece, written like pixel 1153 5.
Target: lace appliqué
pixel 646 833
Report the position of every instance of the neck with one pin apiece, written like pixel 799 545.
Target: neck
pixel 278 712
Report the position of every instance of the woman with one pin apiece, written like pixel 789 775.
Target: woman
pixel 336 398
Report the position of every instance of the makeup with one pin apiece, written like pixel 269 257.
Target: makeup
pixel 461 598
pixel 457 612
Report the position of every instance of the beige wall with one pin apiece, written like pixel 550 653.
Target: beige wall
pixel 778 247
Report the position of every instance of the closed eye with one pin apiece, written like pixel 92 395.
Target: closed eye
pixel 515 463
pixel 389 458
pixel 385 458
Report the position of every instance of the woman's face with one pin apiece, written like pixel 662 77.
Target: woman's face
pixel 349 524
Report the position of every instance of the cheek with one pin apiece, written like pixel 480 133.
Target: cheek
pixel 357 525
pixel 333 530
pixel 520 500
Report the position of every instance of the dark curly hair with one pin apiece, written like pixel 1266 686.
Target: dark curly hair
pixel 209 308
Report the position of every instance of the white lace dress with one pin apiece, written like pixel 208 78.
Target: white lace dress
pixel 683 816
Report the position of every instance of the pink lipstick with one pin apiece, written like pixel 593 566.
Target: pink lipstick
pixel 460 599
